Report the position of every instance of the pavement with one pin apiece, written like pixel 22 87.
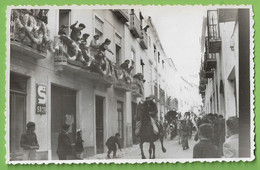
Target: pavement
pixel 174 151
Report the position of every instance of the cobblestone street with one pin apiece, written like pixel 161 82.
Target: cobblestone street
pixel 174 151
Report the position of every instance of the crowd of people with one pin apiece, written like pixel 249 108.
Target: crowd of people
pixel 216 137
pixel 215 141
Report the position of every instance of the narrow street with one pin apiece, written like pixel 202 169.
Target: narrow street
pixel 174 150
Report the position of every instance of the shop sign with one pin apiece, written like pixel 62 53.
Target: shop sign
pixel 41 99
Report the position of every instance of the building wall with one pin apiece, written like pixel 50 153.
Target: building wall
pixel 221 94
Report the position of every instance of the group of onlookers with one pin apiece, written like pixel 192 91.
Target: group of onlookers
pixel 214 140
pixel 66 149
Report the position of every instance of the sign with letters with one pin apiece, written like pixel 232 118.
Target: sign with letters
pixel 41 99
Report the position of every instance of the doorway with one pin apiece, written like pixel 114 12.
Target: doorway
pixel 99 100
pixel 18 92
pixel 120 120
pixel 63 110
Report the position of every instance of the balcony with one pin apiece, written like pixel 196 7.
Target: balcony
pixel 210 61
pixel 64 63
pixel 122 14
pixel 209 74
pixel 214 40
pixel 162 97
pixel 123 80
pixel 202 87
pixel 202 92
pixel 144 40
pixel 135 26
pixel 137 85
pixel 29 34
pixel 203 80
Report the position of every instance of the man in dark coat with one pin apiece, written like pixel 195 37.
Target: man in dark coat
pixel 205 148
pixel 64 143
pixel 111 145
pixel 185 134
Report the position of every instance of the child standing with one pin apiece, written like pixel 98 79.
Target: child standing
pixel 205 148
pixel 79 145
pixel 29 142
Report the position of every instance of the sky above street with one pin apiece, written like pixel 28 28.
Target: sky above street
pixel 180 29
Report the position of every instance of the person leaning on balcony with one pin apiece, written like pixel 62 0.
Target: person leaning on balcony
pixel 29 142
pixel 104 46
pixel 105 63
pixel 125 64
pixel 84 48
pixel 62 30
pixel 76 31
pixel 230 146
pixel 94 45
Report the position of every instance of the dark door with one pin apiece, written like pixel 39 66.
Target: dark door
pixel 63 110
pixel 18 85
pixel 100 124
pixel 134 114
pixel 120 120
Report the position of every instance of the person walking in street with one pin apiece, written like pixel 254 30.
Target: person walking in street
pixel 185 134
pixel 79 145
pixel 111 145
pixel 221 134
pixel 230 147
pixel 205 148
pixel 64 143
pixel 29 142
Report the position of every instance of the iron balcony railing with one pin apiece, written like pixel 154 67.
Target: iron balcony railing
pixel 68 57
pixel 135 26
pixel 210 61
pixel 214 40
pixel 123 79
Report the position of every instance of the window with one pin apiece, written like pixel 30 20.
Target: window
pixel 118 39
pixel 149 41
pixel 118 42
pixel 118 55
pixel 154 51
pixel 163 64
pixel 142 65
pixel 133 60
pixel 99 24
pixel 99 27
pixel 64 19
pixel 158 57
pixel 151 78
